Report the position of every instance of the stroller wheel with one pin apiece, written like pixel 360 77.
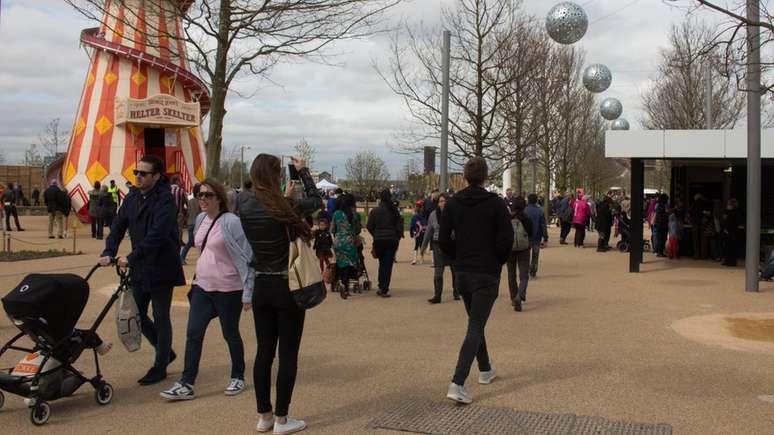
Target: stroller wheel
pixel 104 394
pixel 367 285
pixel 40 413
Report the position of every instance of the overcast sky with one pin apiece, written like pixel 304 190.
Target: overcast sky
pixel 339 110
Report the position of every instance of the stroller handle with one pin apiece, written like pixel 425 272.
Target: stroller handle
pixel 113 262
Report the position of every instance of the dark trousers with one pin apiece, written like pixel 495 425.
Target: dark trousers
pixel 189 244
pixel 700 242
pixel 604 238
pixel 535 260
pixel 440 261
pixel 385 251
pixel 565 230
pixel 479 292
pixel 94 225
pixel 518 263
pixel 729 251
pixel 659 240
pixel 277 321
pixel 205 306
pixel 580 234
pixel 11 211
pixel 159 331
pixel 100 223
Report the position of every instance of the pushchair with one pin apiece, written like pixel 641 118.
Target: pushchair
pixel 625 229
pixel 362 281
pixel 46 308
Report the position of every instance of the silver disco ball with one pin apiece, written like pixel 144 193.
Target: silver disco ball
pixel 566 23
pixel 620 124
pixel 610 108
pixel 597 78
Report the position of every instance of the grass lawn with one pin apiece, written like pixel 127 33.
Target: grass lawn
pixel 34 255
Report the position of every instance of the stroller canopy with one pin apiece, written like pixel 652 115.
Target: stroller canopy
pixel 57 300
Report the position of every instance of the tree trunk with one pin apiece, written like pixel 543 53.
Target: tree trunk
pixel 219 92
pixel 519 176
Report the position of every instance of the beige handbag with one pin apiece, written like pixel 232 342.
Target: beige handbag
pixel 304 276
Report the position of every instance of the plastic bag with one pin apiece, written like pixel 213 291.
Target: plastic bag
pixel 128 321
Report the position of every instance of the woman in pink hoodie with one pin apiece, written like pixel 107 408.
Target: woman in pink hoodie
pixel 580 219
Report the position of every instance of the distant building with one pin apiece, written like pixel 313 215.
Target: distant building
pixel 324 175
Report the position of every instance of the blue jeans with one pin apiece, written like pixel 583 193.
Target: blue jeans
pixel 189 244
pixel 159 331
pixel 205 306
pixel 385 251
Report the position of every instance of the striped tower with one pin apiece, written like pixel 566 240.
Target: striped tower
pixel 139 97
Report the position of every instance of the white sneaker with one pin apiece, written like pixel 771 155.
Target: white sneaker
pixel 487 377
pixel 290 426
pixel 179 392
pixel 265 425
pixel 459 394
pixel 235 386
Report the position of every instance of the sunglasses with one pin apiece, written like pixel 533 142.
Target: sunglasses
pixel 138 173
pixel 206 195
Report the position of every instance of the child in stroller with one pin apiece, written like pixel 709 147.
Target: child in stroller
pixel 624 228
pixel 46 309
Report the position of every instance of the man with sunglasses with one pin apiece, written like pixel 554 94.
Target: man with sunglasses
pixel 150 216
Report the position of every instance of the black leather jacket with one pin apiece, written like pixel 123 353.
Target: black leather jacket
pixel 267 236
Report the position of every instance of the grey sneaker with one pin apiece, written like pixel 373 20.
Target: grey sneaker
pixel 179 392
pixel 486 378
pixel 265 425
pixel 459 394
pixel 235 386
pixel 290 426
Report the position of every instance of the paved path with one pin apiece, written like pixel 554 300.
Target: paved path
pixel 593 340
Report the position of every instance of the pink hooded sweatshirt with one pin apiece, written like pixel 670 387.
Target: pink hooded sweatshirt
pixel 582 212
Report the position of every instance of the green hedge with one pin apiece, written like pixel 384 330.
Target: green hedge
pixel 34 255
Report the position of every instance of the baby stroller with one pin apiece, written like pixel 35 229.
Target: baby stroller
pixel 362 281
pixel 625 228
pixel 46 309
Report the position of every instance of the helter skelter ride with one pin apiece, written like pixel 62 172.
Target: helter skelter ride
pixel 139 98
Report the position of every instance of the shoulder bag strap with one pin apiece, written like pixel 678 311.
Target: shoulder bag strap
pixel 207 235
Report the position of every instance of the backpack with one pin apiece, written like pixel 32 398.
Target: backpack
pixel 520 236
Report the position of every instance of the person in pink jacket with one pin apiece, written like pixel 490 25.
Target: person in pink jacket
pixel 580 219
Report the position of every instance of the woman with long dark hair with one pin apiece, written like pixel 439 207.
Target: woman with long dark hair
pixel 271 220
pixel 344 245
pixel 386 226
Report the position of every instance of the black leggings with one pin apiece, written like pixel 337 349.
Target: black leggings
pixel 277 321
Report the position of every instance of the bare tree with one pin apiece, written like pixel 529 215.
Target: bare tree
pixel 231 167
pixel 231 38
pixel 305 151
pixel 366 172
pixel 677 99
pixel 52 139
pixel 414 177
pixel 2 157
pixel 479 78
pixel 32 156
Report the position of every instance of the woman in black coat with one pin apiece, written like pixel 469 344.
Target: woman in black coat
pixel 386 226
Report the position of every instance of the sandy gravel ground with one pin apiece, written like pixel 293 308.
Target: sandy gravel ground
pixel 593 340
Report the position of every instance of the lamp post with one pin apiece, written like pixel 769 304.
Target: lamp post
pixel 242 166
pixel 753 226
pixel 444 182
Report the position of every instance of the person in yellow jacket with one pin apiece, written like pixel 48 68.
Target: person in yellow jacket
pixel 113 190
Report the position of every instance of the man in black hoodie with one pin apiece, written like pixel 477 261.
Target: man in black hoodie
pixel 476 233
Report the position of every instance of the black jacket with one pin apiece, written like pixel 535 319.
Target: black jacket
pixel 52 199
pixel 384 224
pixel 604 216
pixel 267 236
pixel 476 231
pixel 152 223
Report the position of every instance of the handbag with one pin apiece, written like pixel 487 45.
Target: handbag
pixel 128 321
pixel 304 276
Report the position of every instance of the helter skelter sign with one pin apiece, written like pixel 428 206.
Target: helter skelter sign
pixel 139 98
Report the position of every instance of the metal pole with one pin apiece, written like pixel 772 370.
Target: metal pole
pixel 636 189
pixel 708 94
pixel 753 227
pixel 444 182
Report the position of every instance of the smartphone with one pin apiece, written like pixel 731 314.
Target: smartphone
pixel 293 173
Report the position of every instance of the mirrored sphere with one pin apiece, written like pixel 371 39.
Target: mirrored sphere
pixel 620 124
pixel 566 23
pixel 597 78
pixel 610 108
